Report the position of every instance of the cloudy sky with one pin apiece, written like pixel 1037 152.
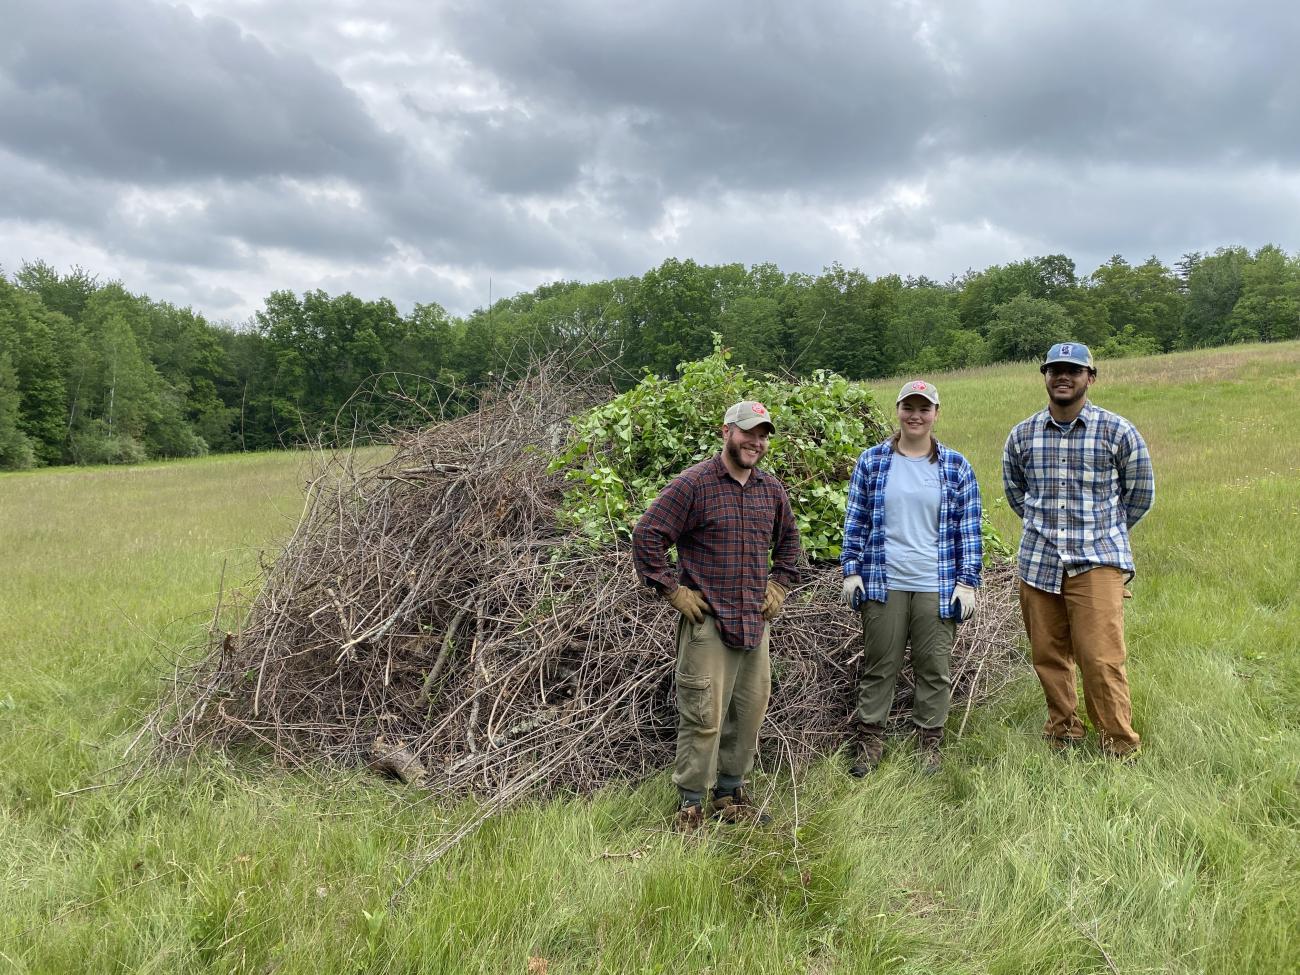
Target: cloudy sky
pixel 210 152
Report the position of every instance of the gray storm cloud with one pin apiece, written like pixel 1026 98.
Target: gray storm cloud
pixel 148 93
pixel 244 147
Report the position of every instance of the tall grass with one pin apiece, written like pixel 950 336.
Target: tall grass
pixel 1012 860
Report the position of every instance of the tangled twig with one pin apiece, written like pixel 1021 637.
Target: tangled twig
pixel 439 602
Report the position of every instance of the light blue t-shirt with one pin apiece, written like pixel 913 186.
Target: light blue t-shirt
pixel 912 524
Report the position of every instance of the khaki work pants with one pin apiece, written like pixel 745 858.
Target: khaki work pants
pixel 886 629
pixel 722 695
pixel 1084 624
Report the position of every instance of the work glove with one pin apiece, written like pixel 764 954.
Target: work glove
pixel 852 593
pixel 689 603
pixel 773 600
pixel 963 601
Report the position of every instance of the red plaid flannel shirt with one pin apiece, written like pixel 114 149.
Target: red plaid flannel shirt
pixel 723 531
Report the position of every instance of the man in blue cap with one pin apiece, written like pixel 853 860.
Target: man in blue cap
pixel 1081 478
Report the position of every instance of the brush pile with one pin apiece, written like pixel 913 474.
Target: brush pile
pixel 437 615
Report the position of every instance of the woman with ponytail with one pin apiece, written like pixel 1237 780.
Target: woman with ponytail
pixel 911 560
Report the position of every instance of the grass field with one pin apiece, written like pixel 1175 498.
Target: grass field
pixel 1012 860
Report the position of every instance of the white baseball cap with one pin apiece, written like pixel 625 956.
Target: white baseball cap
pixel 918 387
pixel 748 414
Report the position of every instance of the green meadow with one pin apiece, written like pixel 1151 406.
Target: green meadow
pixel 1012 860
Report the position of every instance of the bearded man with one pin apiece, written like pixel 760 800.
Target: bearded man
pixel 725 516
pixel 1081 478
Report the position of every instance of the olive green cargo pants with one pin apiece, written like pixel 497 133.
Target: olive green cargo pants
pixel 886 629
pixel 722 695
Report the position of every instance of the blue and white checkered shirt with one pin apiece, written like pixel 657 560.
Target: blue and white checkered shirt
pixel 961 547
pixel 1079 487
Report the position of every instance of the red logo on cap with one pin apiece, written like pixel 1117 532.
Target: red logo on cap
pixel 758 408
pixel 918 385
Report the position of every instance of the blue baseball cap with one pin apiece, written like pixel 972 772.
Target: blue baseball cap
pixel 1074 353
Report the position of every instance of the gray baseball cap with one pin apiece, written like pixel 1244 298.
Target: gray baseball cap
pixel 748 414
pixel 1074 353
pixel 918 387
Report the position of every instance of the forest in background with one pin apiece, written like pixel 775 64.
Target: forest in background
pixel 91 373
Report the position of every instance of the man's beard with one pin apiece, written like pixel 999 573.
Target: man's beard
pixel 1074 395
pixel 733 452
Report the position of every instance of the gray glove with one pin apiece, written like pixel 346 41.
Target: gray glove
pixel 853 592
pixel 963 601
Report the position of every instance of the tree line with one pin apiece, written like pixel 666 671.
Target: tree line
pixel 91 373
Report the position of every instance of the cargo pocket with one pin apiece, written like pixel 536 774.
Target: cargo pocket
pixel 695 699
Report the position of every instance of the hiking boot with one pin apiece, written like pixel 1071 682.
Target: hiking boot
pixel 1063 745
pixel 689 817
pixel 869 749
pixel 1128 755
pixel 929 743
pixel 736 807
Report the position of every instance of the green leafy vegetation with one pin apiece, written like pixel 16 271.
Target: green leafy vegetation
pixel 624 451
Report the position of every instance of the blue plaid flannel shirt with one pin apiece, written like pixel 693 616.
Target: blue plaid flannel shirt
pixel 1079 488
pixel 961 547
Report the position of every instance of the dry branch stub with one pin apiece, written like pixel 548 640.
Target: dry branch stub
pixel 438 603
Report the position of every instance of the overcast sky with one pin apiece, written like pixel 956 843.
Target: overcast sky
pixel 210 152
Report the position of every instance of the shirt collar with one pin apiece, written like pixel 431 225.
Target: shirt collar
pixel 1085 417
pixel 720 469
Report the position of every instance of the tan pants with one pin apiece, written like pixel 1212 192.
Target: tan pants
pixel 722 695
pixel 1084 624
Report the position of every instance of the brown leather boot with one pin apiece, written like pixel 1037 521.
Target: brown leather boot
pixel 868 749
pixel 737 807
pixel 1121 752
pixel 930 741
pixel 689 817
pixel 1063 746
